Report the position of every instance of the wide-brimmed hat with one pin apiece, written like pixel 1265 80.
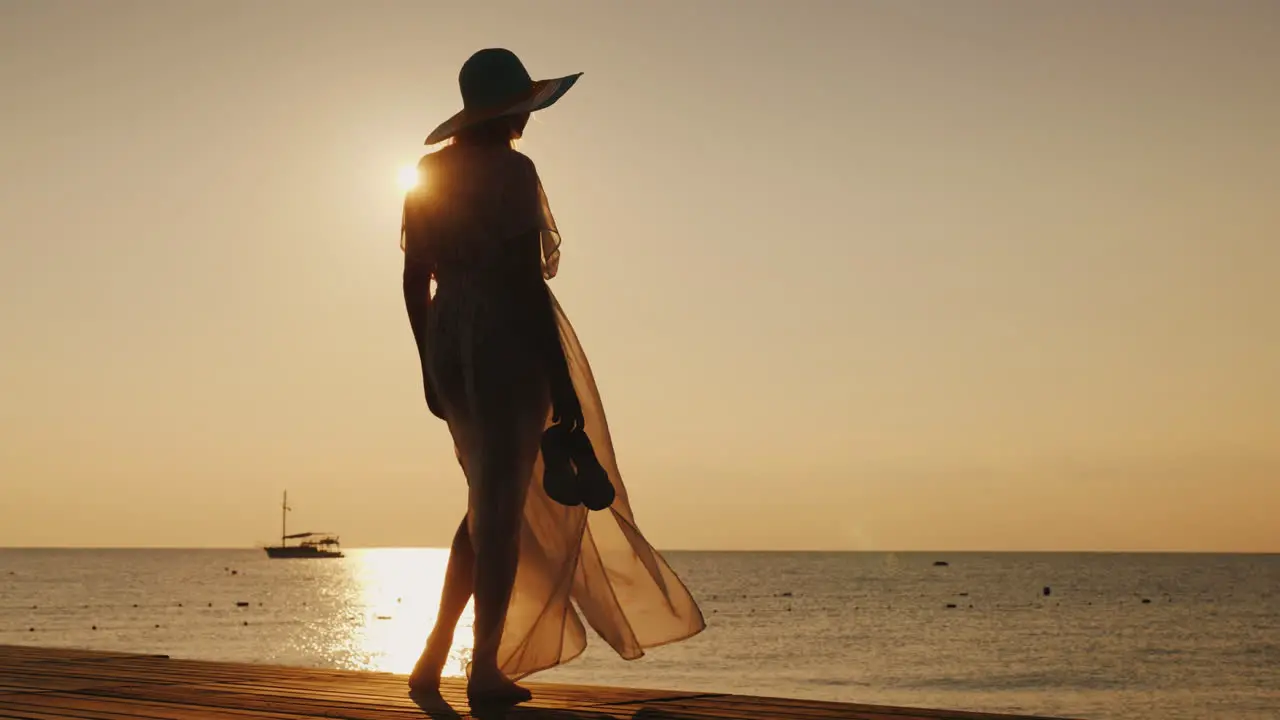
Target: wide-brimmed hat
pixel 494 83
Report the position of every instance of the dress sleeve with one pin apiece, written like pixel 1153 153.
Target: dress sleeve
pixel 526 209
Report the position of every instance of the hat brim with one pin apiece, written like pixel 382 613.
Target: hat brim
pixel 543 95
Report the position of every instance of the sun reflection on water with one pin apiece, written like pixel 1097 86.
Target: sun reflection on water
pixel 399 594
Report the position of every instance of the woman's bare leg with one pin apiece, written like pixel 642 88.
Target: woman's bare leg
pixel 497 494
pixel 495 534
pixel 459 581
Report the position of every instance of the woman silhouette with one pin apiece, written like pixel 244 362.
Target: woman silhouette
pixel 502 366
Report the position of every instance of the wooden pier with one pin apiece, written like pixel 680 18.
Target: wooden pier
pixel 56 684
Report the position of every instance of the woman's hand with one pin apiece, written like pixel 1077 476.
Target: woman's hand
pixel 565 407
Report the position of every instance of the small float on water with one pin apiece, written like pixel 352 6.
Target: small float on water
pixel 308 545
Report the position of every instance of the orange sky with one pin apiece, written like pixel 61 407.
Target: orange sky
pixel 852 275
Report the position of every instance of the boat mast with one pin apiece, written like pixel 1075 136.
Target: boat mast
pixel 284 513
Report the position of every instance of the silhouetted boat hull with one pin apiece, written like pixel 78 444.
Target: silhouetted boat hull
pixel 302 551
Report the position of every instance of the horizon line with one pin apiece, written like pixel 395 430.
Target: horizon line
pixel 812 551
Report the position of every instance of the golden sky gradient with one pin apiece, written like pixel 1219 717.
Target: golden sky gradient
pixel 852 275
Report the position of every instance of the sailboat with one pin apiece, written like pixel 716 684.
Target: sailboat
pixel 309 545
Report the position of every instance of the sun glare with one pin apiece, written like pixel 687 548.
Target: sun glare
pixel 409 178
pixel 399 599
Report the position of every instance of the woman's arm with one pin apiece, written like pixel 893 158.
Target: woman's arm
pixel 565 405
pixel 417 301
pixel 418 272
pixel 564 399
pixel 528 218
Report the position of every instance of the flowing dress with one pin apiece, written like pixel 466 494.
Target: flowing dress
pixel 481 226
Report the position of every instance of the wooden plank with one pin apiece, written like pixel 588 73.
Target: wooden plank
pixel 725 709
pixel 35 653
pixel 55 684
pixel 12 682
pixel 744 706
pixel 302 704
pixel 395 703
pixel 780 705
pixel 94 708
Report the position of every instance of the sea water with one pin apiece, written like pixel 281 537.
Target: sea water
pixel 1106 636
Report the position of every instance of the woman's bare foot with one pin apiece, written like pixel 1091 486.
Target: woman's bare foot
pixel 426 672
pixel 491 687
